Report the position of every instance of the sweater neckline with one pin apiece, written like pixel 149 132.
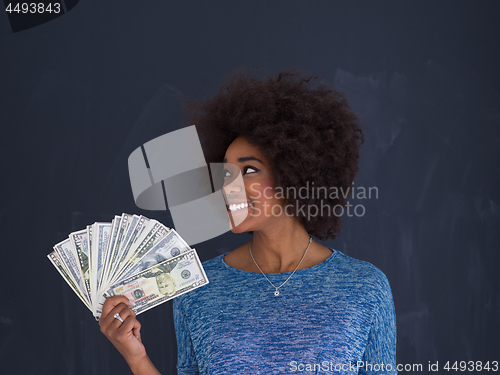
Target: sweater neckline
pixel 302 271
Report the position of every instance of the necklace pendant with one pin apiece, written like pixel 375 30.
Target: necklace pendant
pixel 276 293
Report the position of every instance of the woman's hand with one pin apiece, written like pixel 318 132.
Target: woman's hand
pixel 125 336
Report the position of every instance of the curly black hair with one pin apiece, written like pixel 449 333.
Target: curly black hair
pixel 311 136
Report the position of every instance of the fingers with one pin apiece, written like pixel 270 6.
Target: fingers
pixel 110 322
pixel 118 331
pixel 137 329
pixel 111 303
pixel 130 324
pixel 124 313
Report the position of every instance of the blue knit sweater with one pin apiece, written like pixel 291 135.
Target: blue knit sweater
pixel 336 317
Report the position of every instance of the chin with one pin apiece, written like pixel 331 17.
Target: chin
pixel 240 229
pixel 241 218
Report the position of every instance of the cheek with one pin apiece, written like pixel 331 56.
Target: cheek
pixel 262 191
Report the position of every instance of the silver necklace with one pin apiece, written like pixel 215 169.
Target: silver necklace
pixel 276 292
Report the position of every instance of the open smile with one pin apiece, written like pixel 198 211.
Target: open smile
pixel 237 207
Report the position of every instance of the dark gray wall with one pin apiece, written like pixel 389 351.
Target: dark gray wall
pixel 80 93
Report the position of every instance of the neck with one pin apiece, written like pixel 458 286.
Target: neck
pixel 280 249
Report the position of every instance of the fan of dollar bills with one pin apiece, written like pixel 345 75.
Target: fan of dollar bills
pixel 133 256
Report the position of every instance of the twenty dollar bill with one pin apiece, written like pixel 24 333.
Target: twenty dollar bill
pixel 162 282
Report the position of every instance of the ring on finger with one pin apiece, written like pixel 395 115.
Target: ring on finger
pixel 117 316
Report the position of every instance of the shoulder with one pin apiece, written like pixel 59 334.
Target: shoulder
pixel 214 262
pixel 214 266
pixel 357 267
pixel 362 273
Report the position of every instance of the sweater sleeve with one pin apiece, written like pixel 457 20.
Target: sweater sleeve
pixel 186 358
pixel 380 352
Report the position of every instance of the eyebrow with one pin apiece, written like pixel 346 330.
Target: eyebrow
pixel 246 158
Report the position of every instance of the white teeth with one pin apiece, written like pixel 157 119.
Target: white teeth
pixel 234 207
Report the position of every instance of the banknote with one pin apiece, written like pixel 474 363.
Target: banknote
pixel 168 247
pixel 79 241
pixel 146 243
pixel 141 255
pixel 129 230
pixel 153 237
pixel 90 246
pixel 59 265
pixel 135 240
pixel 115 225
pixel 101 233
pixel 68 256
pixel 124 223
pixel 162 282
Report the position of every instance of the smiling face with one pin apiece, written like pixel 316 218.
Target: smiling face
pixel 251 205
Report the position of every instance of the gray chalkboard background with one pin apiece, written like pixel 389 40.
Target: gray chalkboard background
pixel 81 92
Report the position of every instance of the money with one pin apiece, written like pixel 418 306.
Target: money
pixel 170 246
pixel 158 231
pixel 115 251
pixel 68 256
pixel 135 235
pixel 162 282
pixel 79 241
pixel 115 225
pixel 101 233
pixel 134 256
pixel 57 262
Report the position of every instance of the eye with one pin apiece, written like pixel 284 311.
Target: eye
pixel 227 173
pixel 249 169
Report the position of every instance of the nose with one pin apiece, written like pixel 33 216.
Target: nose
pixel 233 184
pixel 234 189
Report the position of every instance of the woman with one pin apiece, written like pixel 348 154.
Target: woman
pixel 282 302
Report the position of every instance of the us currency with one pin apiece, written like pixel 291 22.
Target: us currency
pixel 125 219
pixel 101 233
pixel 79 241
pixel 115 225
pixel 148 241
pixel 132 243
pixel 67 256
pixel 59 265
pixel 89 239
pixel 104 254
pixel 132 224
pixel 170 246
pixel 151 227
pixel 145 242
pixel 162 282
